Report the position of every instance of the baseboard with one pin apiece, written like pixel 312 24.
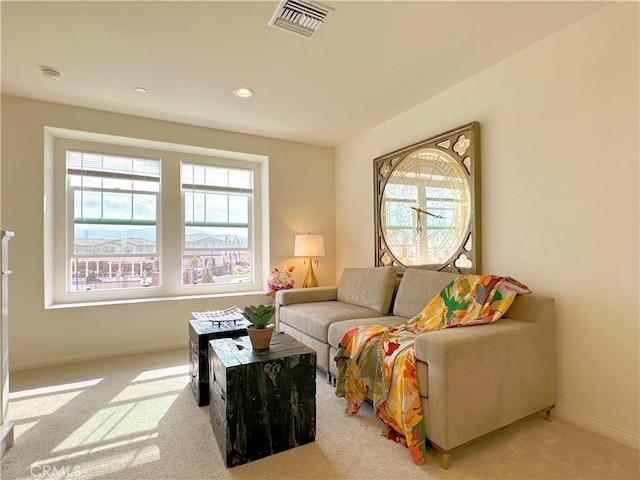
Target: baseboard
pixel 19 366
pixel 603 428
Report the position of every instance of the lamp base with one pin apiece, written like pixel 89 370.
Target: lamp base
pixel 310 280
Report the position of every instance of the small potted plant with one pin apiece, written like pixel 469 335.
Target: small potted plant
pixel 260 330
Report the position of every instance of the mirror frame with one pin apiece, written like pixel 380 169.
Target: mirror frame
pixel 451 143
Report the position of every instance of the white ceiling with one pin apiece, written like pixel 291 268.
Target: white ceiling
pixel 369 62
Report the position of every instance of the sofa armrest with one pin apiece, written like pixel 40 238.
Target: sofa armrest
pixel 305 295
pixel 484 377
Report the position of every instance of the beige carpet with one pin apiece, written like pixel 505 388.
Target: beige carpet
pixel 135 417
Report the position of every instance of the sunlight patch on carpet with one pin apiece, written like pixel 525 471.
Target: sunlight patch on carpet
pixel 40 406
pixel 118 422
pixel 22 427
pixel 158 387
pixel 32 392
pixel 162 372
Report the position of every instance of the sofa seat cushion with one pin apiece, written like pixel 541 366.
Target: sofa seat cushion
pixel 314 318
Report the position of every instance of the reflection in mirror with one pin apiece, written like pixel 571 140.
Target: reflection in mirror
pixel 427 203
pixel 426 208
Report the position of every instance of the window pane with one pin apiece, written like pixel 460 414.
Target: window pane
pixel 150 168
pixel 116 184
pixel 203 267
pixel 117 206
pixel 217 208
pixel 85 181
pixel 216 237
pixel 209 209
pixel 117 164
pixel 198 175
pixel 88 162
pixel 186 173
pixel 216 176
pixel 240 178
pixel 198 207
pixel 239 209
pixel 90 274
pixel 94 239
pixel 188 206
pixel 87 204
pixel 146 186
pixel 144 207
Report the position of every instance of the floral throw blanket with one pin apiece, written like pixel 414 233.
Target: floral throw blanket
pixel 380 359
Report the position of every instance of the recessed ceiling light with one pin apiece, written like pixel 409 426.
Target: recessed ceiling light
pixel 52 73
pixel 243 92
pixel 140 90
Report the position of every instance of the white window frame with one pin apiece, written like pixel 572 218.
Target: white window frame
pixel 170 207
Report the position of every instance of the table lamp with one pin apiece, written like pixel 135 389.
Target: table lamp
pixel 309 246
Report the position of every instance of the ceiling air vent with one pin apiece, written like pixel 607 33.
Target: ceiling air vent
pixel 301 18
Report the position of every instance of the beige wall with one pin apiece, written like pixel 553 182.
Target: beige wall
pixel 559 129
pixel 301 200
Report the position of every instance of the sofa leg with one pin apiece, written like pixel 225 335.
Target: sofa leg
pixel 445 460
pixel 547 415
pixel 329 378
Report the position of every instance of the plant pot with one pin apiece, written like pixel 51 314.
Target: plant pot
pixel 260 337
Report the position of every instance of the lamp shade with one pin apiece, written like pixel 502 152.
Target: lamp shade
pixel 309 246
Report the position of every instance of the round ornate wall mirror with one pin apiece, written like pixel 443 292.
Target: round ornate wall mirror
pixel 427 203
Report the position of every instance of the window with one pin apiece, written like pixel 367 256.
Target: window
pixel 129 219
pixel 113 217
pixel 217 228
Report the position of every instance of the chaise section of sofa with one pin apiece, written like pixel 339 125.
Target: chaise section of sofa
pixel 476 380
pixel 306 314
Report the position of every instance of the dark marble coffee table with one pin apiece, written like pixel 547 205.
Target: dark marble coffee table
pixel 262 401
pixel 200 332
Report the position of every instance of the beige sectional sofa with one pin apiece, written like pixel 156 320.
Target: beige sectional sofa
pixel 472 380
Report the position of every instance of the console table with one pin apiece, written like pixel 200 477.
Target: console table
pixel 262 401
pixel 200 332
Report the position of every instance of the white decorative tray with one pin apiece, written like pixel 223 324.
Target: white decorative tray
pixel 231 314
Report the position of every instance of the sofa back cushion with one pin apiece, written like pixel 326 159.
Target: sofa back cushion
pixel 368 287
pixel 417 288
